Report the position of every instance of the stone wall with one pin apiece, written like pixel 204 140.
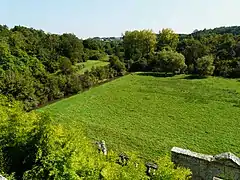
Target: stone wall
pixel 208 167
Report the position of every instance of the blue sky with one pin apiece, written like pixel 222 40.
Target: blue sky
pixel 90 18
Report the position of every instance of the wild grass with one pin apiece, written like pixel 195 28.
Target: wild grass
pixel 91 63
pixel 150 114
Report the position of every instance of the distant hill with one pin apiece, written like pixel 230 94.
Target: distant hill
pixel 235 30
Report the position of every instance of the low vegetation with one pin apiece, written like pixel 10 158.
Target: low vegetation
pixel 150 114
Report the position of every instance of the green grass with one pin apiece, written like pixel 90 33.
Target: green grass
pixel 91 63
pixel 151 114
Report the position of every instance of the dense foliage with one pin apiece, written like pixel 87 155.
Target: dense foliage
pixel 36 67
pixel 33 147
pixel 204 66
pixel 167 40
pixel 235 30
pixel 222 47
pixel 169 61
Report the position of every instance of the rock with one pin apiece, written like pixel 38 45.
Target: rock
pixel 2 178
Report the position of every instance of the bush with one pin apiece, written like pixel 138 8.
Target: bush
pixel 227 68
pixel 65 65
pixel 169 61
pixel 80 67
pixel 140 65
pixel 204 66
pixel 95 55
pixel 117 65
pixel 167 170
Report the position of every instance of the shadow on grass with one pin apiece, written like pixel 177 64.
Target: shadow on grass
pixel 236 105
pixel 155 74
pixel 192 77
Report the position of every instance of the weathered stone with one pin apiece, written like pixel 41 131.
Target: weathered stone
pixel 208 167
pixel 102 147
pixel 123 159
pixel 151 168
pixel 2 178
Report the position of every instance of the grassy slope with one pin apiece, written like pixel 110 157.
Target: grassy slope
pixel 152 114
pixel 92 63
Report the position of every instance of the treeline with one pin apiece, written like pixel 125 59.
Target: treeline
pixel 235 30
pixel 33 147
pixel 36 67
pixel 201 54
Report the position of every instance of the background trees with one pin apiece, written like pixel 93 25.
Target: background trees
pixel 138 44
pixel 204 65
pixel 117 65
pixel 169 61
pixel 167 40
pixel 36 67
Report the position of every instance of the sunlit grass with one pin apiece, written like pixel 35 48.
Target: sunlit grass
pixel 152 114
pixel 91 63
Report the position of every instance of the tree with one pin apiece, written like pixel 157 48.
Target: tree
pixel 93 44
pixel 225 47
pixel 138 42
pixel 170 61
pixel 167 40
pixel 71 47
pixel 65 65
pixel 205 66
pixel 192 49
pixel 140 65
pixel 117 65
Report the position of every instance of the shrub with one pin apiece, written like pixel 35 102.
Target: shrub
pixel 140 65
pixel 117 65
pixel 80 67
pixel 169 61
pixel 204 66
pixel 228 68
pixel 95 55
pixel 167 171
pixel 65 65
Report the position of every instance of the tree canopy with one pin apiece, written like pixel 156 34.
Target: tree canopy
pixel 138 44
pixel 167 40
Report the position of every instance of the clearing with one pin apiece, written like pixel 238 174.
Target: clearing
pixel 91 63
pixel 148 114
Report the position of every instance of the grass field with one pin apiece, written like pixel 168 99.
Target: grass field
pixel 92 63
pixel 150 114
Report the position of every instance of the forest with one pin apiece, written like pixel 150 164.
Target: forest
pixel 37 68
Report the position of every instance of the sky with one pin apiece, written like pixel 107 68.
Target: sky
pixel 106 18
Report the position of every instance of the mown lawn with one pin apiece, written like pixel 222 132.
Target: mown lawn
pixel 150 115
pixel 91 63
